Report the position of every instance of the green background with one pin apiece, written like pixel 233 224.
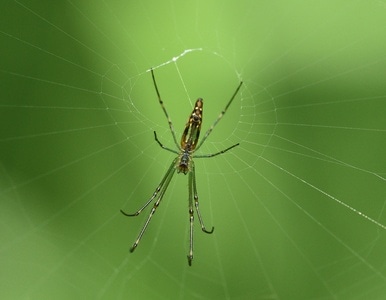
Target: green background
pixel 298 207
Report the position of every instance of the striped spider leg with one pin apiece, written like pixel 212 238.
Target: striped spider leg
pixel 183 163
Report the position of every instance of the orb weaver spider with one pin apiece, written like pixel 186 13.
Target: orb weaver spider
pixel 183 163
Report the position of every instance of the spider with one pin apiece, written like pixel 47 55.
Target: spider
pixel 183 163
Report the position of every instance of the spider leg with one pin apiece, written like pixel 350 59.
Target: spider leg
pixel 159 193
pixel 196 204
pixel 219 116
pixel 191 219
pixel 162 146
pixel 193 195
pixel 157 190
pixel 163 108
pixel 217 153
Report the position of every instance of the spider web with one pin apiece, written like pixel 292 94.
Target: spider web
pixel 298 208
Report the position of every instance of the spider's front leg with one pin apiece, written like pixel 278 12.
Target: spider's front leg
pixel 158 195
pixel 193 195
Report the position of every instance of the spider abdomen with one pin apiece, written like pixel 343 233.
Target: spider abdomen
pixel 192 129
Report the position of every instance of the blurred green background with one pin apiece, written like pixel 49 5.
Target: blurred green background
pixel 298 207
